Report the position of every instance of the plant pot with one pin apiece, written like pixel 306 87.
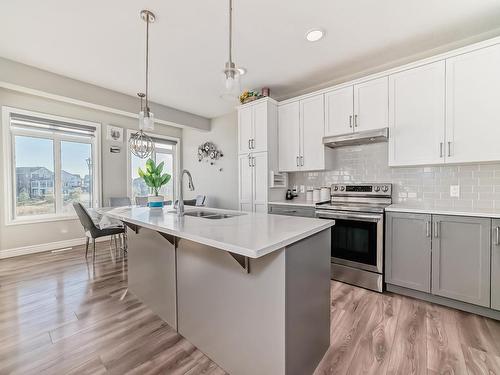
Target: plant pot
pixel 155 201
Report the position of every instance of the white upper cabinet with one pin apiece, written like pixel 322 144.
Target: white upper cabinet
pixel 255 122
pixel 312 124
pixel 417 115
pixel 260 121
pixel 339 111
pixel 301 127
pixel 288 136
pixel 371 105
pixel 245 129
pixel 473 106
pixel 363 106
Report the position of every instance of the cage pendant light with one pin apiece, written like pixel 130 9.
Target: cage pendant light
pixel 231 76
pixel 141 145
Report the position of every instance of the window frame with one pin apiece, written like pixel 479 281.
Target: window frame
pixel 176 161
pixel 10 179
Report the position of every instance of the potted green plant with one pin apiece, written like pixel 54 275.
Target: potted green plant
pixel 154 179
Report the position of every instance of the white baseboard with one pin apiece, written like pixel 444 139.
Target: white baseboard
pixel 32 249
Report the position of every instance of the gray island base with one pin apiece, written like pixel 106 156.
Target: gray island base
pixel 268 315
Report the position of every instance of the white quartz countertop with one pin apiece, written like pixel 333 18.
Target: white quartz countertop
pixel 298 201
pixel 250 234
pixel 426 209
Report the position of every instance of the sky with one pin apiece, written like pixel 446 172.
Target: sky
pixel 38 152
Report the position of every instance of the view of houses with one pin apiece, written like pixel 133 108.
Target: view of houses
pixel 35 189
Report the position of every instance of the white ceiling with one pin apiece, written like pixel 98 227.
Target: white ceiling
pixel 102 42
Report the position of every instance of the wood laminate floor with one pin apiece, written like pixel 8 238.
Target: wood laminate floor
pixel 61 315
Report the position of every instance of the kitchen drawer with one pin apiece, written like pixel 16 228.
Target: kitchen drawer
pixel 290 210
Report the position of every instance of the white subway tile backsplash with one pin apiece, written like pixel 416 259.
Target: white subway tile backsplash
pixel 479 183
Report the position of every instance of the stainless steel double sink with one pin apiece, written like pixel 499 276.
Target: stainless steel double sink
pixel 210 215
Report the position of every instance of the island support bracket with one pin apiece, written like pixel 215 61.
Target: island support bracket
pixel 242 260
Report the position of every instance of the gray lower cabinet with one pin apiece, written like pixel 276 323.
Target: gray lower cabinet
pixel 279 209
pixel 495 265
pixel 408 251
pixel 461 258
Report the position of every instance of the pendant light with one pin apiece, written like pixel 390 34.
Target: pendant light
pixel 231 73
pixel 141 145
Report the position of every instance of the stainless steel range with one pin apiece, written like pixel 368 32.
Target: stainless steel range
pixel 357 243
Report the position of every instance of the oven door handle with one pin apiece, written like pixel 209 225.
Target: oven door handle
pixel 348 216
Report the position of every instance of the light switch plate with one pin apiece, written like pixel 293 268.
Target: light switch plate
pixel 455 191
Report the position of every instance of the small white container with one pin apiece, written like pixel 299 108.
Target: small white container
pixel 325 194
pixel 316 195
pixel 309 195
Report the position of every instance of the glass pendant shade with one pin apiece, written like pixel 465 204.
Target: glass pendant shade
pixel 146 120
pixel 231 78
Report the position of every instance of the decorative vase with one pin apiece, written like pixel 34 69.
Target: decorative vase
pixel 155 201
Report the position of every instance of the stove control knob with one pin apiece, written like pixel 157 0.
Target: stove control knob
pixel 377 188
pixel 336 188
pixel 385 188
pixel 342 188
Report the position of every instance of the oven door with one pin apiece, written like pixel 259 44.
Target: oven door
pixel 357 239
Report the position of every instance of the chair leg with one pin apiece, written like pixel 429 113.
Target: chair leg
pixel 93 253
pixel 87 247
pixel 125 239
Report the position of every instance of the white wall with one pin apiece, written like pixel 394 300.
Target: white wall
pixel 220 186
pixel 114 177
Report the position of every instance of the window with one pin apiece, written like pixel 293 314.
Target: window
pixel 51 162
pixel 165 151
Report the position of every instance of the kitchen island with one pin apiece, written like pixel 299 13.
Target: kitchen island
pixel 251 290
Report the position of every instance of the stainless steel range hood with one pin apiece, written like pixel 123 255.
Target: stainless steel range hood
pixel 358 138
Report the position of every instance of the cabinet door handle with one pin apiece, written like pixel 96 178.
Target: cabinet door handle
pixel 302 160
pixel 253 161
pixel 441 149
pixel 249 145
pixel 252 143
pixel 427 229
pixel 249 161
pixel 355 121
pixel 436 229
pixel 497 236
pixel 449 148
pixel 297 161
pixel 350 121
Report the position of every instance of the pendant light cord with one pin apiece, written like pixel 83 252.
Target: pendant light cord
pixel 230 31
pixel 147 63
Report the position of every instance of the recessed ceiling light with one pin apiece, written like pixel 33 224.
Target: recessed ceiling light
pixel 242 71
pixel 314 35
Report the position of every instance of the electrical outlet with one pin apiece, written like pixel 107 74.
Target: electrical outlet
pixel 455 191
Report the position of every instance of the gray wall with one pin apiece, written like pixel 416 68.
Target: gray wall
pixel 113 168
pixel 28 78
pixel 220 186
pixel 479 183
